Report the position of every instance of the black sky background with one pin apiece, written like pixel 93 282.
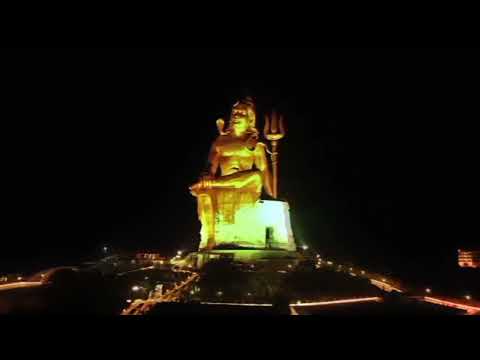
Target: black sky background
pixel 378 165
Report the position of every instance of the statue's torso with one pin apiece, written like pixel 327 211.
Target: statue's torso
pixel 235 154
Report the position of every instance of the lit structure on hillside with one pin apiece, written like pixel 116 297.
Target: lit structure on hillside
pixel 149 256
pixel 469 258
pixel 230 207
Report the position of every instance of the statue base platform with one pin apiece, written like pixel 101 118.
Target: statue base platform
pixel 262 257
pixel 266 225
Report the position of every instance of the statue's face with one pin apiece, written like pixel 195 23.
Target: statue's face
pixel 240 119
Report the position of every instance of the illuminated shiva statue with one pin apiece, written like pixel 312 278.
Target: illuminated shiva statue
pixel 228 196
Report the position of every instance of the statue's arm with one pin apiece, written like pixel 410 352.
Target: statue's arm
pixel 261 163
pixel 213 160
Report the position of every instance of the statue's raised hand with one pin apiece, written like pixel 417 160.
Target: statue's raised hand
pixel 221 126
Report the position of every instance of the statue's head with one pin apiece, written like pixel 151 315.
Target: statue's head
pixel 243 118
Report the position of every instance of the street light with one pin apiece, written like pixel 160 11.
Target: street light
pixel 428 290
pixel 304 247
pixel 135 288
pixel 468 297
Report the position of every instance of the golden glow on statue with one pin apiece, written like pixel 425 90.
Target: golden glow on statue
pixel 238 171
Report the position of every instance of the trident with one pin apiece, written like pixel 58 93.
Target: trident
pixel 274 132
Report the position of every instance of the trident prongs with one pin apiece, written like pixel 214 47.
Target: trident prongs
pixel 274 131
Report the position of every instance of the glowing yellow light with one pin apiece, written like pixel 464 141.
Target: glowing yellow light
pixel 329 263
pixel 468 297
pixel 19 278
pixel 384 279
pixel 179 253
pixel 363 272
pixel 299 302
pixel 146 277
pixel 129 301
pixel 305 247
pixel 428 290
pixel 289 266
pixel 135 288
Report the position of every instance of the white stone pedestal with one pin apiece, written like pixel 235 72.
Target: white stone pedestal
pixel 266 225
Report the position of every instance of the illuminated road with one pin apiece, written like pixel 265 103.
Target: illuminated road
pixel 338 302
pixel 136 270
pixel 326 306
pixel 472 308
pixel 385 286
pixel 300 309
pixel 20 285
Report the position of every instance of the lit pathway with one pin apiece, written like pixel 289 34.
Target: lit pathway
pixel 141 307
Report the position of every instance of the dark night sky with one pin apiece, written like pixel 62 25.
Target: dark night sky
pixel 378 163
